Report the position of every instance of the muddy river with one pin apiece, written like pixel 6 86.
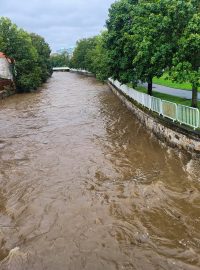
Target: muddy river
pixel 83 186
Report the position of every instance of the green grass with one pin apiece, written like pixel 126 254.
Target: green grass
pixel 169 83
pixel 178 100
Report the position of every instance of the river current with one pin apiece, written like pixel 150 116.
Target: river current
pixel 83 186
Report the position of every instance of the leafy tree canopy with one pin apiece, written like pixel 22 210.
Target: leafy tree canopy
pixel 30 52
pixel 60 60
pixel 81 56
pixel 145 38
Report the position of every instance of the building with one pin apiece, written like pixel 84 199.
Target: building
pixel 69 51
pixel 7 85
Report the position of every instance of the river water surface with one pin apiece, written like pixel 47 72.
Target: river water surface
pixel 83 186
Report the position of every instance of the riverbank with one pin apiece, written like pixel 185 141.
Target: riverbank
pixel 7 88
pixel 6 93
pixel 172 133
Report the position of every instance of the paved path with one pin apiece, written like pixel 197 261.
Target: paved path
pixel 172 91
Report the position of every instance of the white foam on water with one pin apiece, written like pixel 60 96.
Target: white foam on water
pixel 192 169
pixel 16 260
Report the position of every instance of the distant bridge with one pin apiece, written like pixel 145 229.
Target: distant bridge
pixel 63 69
pixel 78 71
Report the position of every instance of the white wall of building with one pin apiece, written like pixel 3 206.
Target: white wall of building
pixel 5 69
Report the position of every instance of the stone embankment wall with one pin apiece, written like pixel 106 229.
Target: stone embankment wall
pixel 167 131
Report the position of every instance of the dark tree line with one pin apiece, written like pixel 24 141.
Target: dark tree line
pixel 144 39
pixel 31 54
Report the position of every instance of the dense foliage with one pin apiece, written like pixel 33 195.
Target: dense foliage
pixel 31 54
pixel 82 54
pixel 144 39
pixel 92 55
pixel 60 60
pixel 120 52
pixel 100 58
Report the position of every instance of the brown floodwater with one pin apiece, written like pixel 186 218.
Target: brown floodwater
pixel 83 186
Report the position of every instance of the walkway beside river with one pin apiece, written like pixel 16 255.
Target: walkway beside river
pixel 173 92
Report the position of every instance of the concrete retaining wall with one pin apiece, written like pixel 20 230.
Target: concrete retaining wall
pixel 166 131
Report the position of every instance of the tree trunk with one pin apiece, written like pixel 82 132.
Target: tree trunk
pixel 150 86
pixel 194 96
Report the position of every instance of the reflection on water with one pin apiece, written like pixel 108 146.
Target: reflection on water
pixel 84 186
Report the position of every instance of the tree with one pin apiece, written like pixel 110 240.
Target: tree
pixel 44 52
pixel 144 39
pixel 148 40
pixel 20 45
pixel 120 53
pixel 100 58
pixel 155 31
pixel 187 59
pixel 91 54
pixel 60 60
pixel 81 56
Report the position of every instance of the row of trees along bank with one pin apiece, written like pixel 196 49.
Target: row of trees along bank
pixel 31 54
pixel 60 60
pixel 143 40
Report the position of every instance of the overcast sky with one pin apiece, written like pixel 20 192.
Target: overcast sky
pixel 60 22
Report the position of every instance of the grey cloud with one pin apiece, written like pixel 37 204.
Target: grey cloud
pixel 61 22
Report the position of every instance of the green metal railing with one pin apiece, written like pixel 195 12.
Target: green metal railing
pixel 176 112
pixel 188 116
